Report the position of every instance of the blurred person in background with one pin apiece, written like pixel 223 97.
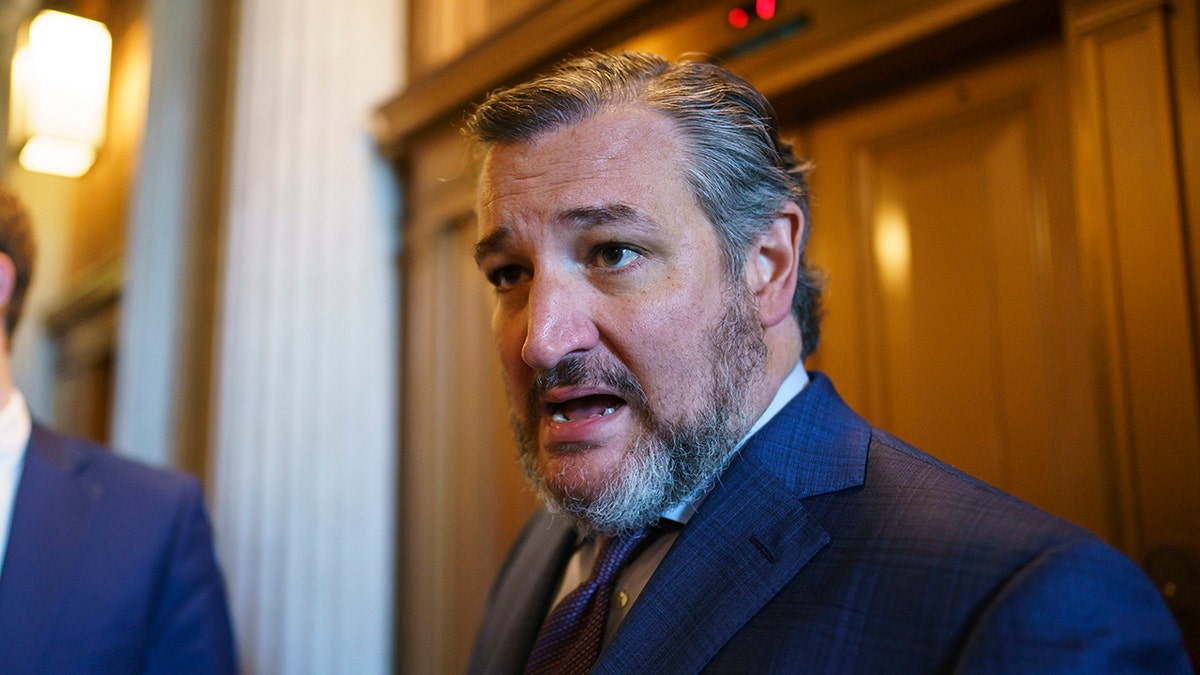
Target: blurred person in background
pixel 107 564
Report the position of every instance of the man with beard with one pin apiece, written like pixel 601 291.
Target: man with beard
pixel 710 505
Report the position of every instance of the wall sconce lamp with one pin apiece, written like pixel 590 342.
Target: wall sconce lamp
pixel 59 103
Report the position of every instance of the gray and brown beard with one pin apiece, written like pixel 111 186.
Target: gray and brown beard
pixel 671 460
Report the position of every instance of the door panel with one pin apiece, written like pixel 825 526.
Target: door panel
pixel 463 496
pixel 943 219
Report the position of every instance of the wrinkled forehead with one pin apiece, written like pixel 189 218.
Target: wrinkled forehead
pixel 621 149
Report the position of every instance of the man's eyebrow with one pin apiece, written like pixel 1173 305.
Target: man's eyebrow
pixel 584 217
pixel 492 243
pixel 592 216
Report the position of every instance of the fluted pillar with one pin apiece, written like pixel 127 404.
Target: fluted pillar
pixel 160 411
pixel 306 377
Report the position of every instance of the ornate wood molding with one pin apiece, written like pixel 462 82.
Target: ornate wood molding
pixel 554 29
pixel 784 66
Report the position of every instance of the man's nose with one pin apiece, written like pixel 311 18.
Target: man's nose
pixel 560 322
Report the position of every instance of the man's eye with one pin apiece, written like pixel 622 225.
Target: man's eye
pixel 614 256
pixel 506 277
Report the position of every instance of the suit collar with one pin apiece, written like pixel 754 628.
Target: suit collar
pixel 516 610
pixel 15 425
pixel 815 445
pixel 750 537
pixel 58 451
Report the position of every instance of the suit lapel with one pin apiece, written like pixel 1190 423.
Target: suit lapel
pixel 727 563
pixel 50 515
pixel 751 536
pixel 520 601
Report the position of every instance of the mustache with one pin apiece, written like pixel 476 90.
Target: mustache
pixel 577 370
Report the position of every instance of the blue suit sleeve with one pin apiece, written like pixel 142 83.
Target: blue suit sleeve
pixel 1082 608
pixel 191 631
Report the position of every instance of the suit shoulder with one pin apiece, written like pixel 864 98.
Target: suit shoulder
pixel 938 487
pixel 913 504
pixel 105 466
pixel 1075 594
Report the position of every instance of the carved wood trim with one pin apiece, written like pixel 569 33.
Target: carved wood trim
pixel 1088 17
pixel 552 30
pixel 782 69
pixel 778 70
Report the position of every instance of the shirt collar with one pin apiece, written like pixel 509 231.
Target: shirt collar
pixel 792 385
pixel 15 427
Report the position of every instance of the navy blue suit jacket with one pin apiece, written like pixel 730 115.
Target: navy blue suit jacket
pixel 831 547
pixel 109 569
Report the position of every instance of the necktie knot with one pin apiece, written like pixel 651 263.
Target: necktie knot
pixel 570 638
pixel 615 553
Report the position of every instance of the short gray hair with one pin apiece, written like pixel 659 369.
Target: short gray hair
pixel 740 171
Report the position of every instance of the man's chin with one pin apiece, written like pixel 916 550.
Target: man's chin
pixel 575 474
pixel 591 519
pixel 597 499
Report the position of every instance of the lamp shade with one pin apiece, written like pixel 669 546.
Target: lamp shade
pixel 59 101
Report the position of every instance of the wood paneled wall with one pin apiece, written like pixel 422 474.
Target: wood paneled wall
pixel 1135 175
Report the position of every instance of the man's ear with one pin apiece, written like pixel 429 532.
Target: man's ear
pixel 774 263
pixel 8 282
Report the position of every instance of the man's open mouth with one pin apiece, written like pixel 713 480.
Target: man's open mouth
pixel 584 407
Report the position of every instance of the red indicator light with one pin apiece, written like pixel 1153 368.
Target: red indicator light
pixel 765 9
pixel 738 18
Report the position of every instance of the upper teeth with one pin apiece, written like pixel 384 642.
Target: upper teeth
pixel 559 416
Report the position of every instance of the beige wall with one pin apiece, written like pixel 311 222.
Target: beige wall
pixel 62 357
pixel 97 230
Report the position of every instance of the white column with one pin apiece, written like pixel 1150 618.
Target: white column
pixel 306 382
pixel 162 384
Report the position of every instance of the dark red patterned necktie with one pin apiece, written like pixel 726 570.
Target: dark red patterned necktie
pixel 570 638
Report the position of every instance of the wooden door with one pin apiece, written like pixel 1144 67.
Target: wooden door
pixel 943 217
pixel 462 496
